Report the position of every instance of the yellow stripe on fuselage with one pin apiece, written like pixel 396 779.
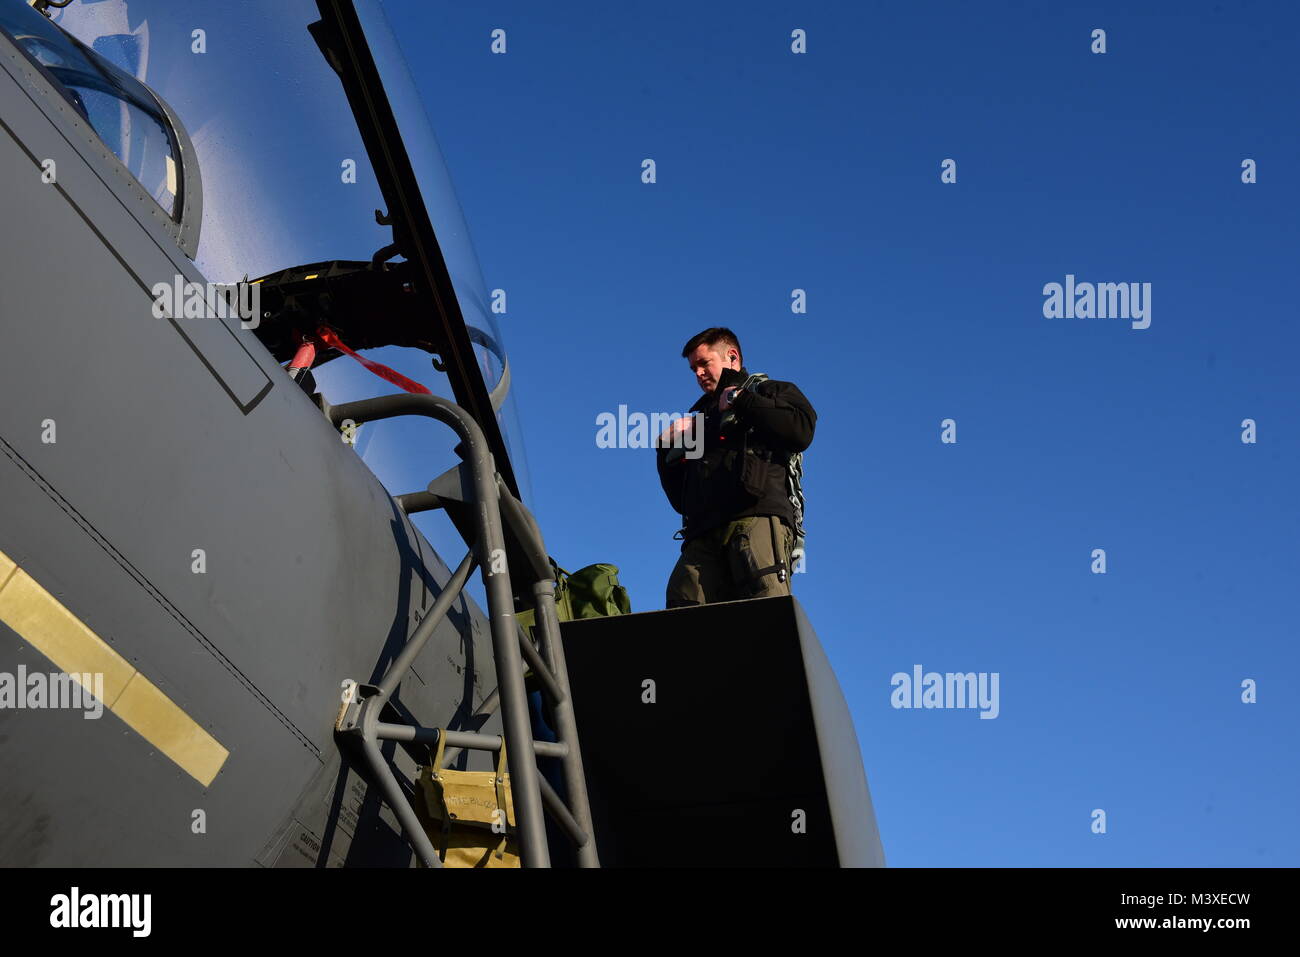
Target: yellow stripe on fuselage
pixel 42 621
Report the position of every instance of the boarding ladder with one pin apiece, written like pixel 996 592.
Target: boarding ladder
pixel 506 545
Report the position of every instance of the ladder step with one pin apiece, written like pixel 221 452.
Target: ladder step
pixel 387 731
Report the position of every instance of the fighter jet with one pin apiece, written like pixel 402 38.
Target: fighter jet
pixel 224 638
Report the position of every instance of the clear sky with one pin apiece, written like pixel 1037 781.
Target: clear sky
pixel 778 171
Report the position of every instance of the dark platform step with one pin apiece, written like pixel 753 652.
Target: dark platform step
pixel 748 726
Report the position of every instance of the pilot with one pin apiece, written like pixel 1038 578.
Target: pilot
pixel 732 471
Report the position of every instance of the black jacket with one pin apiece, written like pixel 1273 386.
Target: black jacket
pixel 742 469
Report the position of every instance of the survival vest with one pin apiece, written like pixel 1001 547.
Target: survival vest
pixel 793 477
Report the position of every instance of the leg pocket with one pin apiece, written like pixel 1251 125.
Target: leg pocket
pixel 700 574
pixel 684 586
pixel 755 567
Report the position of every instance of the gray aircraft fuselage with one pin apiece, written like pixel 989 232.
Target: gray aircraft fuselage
pixel 130 446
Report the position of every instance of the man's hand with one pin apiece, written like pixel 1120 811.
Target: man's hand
pixel 674 429
pixel 728 396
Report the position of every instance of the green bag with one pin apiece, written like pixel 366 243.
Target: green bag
pixel 591 592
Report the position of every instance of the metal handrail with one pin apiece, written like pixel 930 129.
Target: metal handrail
pixel 532 792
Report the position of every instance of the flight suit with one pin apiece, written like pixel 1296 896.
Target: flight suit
pixel 733 562
pixel 738 518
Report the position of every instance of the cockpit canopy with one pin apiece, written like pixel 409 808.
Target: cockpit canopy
pixel 133 123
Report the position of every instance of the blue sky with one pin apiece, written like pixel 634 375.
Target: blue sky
pixel 821 171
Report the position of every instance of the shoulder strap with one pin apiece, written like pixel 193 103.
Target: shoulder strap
pixel 793 472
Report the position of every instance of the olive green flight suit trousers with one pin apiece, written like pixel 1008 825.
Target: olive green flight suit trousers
pixel 746 558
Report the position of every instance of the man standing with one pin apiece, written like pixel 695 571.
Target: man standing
pixel 740 502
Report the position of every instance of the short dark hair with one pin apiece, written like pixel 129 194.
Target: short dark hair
pixel 711 337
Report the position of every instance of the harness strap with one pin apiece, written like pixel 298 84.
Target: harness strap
pixel 332 340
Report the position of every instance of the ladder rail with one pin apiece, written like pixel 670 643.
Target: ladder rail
pixel 490 500
pixel 575 779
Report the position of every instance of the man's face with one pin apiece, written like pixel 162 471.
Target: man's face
pixel 707 362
